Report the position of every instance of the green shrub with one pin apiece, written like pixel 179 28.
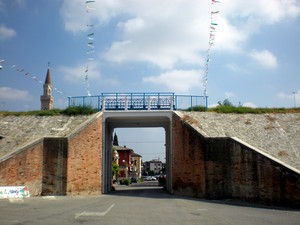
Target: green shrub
pixel 79 110
pixel 197 108
pixel 125 181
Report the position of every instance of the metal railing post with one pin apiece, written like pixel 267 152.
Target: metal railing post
pixel 158 101
pixel 149 106
pixel 103 104
pixel 98 102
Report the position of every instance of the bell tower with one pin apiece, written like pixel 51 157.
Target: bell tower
pixel 47 99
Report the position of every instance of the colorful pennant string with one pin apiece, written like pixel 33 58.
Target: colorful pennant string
pixel 211 43
pixel 21 70
pixel 90 45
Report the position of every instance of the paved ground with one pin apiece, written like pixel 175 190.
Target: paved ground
pixel 143 203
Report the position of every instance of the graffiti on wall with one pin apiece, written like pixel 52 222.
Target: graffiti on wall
pixel 14 192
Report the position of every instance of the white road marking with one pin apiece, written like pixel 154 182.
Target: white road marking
pixel 49 197
pixel 16 200
pixel 77 215
pixel 202 209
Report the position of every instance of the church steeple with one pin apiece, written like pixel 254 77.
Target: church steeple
pixel 48 78
pixel 47 99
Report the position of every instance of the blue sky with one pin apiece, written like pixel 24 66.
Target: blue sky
pixel 151 46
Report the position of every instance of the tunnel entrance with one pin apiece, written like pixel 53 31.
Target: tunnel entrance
pixel 113 120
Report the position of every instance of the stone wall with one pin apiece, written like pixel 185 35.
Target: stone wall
pixel 227 168
pixel 24 168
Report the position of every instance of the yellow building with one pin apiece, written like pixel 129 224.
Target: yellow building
pixel 136 165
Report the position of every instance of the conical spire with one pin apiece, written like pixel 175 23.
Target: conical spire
pixel 48 78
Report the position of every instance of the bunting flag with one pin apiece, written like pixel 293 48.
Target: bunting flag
pixel 90 45
pixel 211 42
pixel 21 70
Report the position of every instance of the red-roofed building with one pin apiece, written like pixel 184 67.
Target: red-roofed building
pixel 130 163
pixel 124 160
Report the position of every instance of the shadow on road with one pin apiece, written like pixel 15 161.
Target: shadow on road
pixel 149 189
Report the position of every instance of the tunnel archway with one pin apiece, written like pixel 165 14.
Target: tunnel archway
pixel 114 119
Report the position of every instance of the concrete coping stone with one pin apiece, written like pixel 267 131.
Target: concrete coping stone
pixel 265 154
pixel 11 154
pixel 85 124
pixel 202 133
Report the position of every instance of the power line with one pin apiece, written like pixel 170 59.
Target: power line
pixel 157 153
pixel 142 142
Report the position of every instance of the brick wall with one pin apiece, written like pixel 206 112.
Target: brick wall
pixel 55 166
pixel 85 160
pixel 224 168
pixel 24 169
pixel 59 166
pixel 188 170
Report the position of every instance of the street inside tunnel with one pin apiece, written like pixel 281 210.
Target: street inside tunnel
pixel 154 145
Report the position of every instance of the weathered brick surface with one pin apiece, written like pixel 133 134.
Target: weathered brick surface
pixel 188 170
pixel 55 166
pixel 58 165
pixel 24 169
pixel 85 160
pixel 224 168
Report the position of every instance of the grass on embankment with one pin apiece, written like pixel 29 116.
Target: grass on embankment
pixel 244 110
pixel 74 110
pixel 87 110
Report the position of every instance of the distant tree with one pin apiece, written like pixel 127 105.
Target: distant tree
pixel 226 102
pixel 116 141
pixel 151 172
pixel 115 170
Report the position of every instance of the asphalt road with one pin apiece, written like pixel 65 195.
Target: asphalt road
pixel 142 203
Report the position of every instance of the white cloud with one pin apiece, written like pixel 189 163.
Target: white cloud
pixel 232 66
pixel 229 94
pixel 11 94
pixel 213 105
pixel 60 103
pixel 179 81
pixel 168 32
pixel 295 98
pixel 6 33
pixel 264 58
pixel 249 104
pixel 77 73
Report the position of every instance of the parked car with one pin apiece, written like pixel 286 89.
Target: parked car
pixel 148 178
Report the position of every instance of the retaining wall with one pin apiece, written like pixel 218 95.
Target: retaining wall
pixel 68 165
pixel 227 168
pixel 24 168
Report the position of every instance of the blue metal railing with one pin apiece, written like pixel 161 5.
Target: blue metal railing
pixel 139 101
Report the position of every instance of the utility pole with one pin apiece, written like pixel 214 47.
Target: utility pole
pixel 294 99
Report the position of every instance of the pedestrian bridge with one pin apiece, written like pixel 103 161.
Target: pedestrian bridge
pixel 140 101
